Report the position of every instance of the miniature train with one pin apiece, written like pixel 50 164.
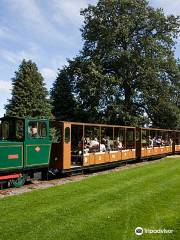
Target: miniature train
pixel 37 145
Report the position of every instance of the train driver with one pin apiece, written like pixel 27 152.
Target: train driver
pixel 33 131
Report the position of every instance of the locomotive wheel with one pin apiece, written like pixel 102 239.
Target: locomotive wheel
pixel 19 182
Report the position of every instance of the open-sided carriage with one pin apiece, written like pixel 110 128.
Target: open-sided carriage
pixel 84 145
pixel 154 142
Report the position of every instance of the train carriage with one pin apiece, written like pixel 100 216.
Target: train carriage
pixel 177 141
pixel 83 145
pixel 154 142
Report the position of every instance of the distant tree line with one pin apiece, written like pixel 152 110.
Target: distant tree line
pixel 126 72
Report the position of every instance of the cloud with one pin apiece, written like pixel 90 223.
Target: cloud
pixel 48 73
pixel 5 86
pixel 169 6
pixel 35 18
pixel 15 57
pixel 32 51
pixel 59 61
pixel 11 57
pixel 68 10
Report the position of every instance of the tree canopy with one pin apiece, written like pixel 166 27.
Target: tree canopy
pixel 62 99
pixel 29 94
pixel 126 72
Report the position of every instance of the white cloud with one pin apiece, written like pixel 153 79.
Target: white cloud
pixel 169 6
pixel 5 86
pixel 34 19
pixel 59 61
pixel 14 57
pixel 27 10
pixel 68 10
pixel 48 73
pixel 33 52
pixel 9 56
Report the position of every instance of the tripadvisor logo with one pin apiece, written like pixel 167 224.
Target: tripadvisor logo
pixel 139 231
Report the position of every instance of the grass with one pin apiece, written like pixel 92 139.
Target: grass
pixel 104 207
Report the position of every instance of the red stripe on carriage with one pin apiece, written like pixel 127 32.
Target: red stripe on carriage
pixel 15 156
pixel 11 176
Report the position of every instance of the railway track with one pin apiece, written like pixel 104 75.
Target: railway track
pixel 42 184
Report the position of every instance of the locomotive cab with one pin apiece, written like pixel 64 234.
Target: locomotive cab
pixel 24 147
pixel 12 129
pixel 37 144
pixel 11 144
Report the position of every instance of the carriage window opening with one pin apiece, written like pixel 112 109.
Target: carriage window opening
pixel 42 129
pixel 130 135
pixel 130 138
pixel 119 138
pixel 170 139
pixel 67 135
pixel 107 143
pixel 37 129
pixel 177 140
pixel 5 130
pixel 92 139
pixel 19 129
pixel 144 138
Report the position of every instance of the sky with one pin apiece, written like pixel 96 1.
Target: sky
pixel 48 33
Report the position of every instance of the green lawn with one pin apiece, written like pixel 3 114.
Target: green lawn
pixel 108 206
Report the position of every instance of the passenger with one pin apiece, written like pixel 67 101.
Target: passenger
pixel 87 146
pixel 103 141
pixel 102 147
pixel 94 142
pixel 94 145
pixel 118 144
pixel 111 144
pixel 166 142
pixel 159 141
pixel 162 142
pixel 154 142
pixel 170 142
pixel 82 143
pixel 107 144
pixel 150 140
pixel 86 150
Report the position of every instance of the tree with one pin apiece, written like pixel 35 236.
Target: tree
pixel 161 108
pixel 89 89
pixel 162 105
pixel 29 94
pixel 127 55
pixel 62 97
